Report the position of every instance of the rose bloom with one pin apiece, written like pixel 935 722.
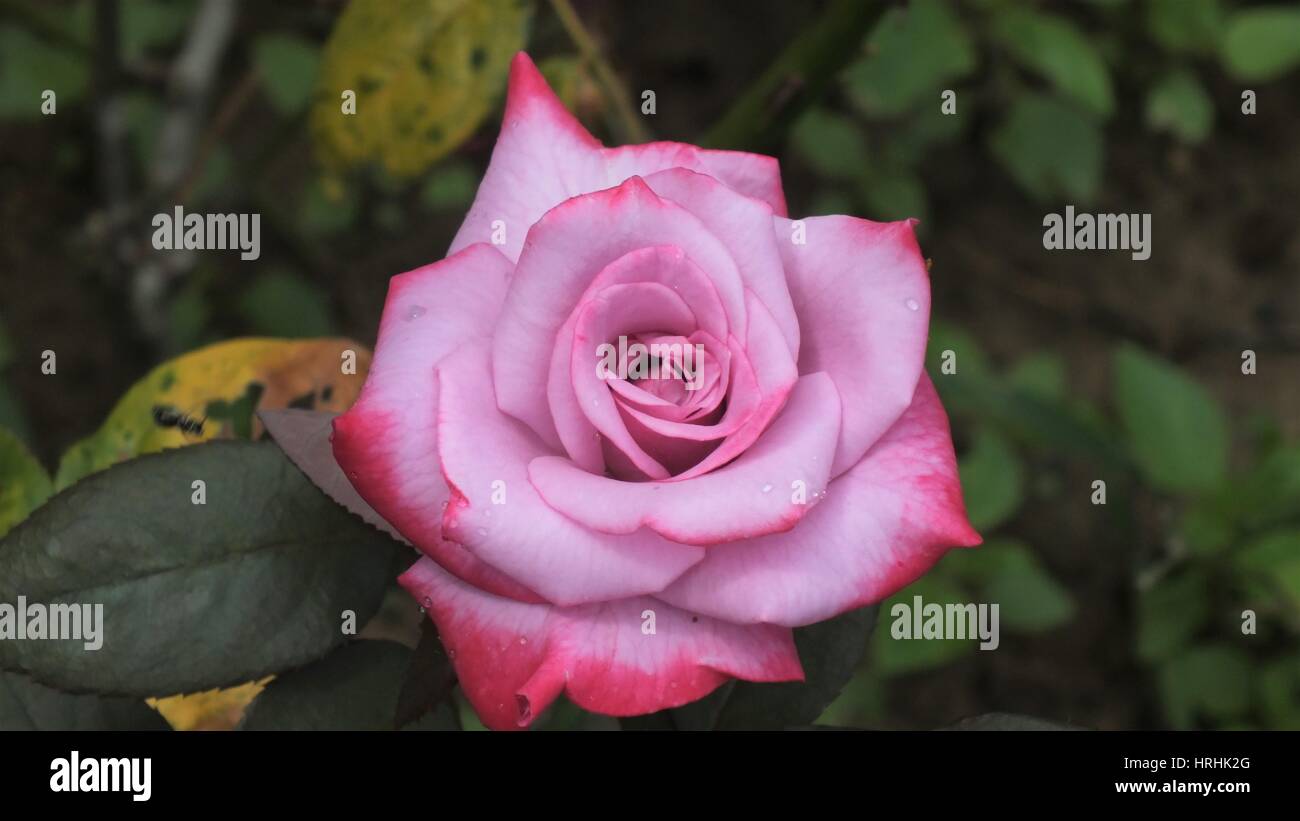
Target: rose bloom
pixel 633 543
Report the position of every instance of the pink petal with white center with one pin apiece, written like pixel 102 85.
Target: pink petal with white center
pixel 566 250
pixel 749 497
pixel 498 516
pixel 621 658
pixel 882 524
pixel 744 225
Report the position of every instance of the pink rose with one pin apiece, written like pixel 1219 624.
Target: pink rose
pixel 635 542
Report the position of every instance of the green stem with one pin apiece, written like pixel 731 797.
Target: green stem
pixel 631 125
pixel 802 72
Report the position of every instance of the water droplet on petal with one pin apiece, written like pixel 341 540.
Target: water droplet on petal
pixel 414 312
pixel 912 305
pixel 767 488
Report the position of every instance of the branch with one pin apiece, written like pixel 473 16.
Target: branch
pixel 632 126
pixel 800 75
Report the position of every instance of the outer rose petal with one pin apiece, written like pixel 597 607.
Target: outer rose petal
pixel 882 525
pixel 387 442
pixel 749 497
pixel 544 156
pixel 862 294
pixel 484 453
pixel 514 659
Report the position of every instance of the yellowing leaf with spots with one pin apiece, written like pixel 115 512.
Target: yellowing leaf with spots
pixel 213 393
pixel 424 74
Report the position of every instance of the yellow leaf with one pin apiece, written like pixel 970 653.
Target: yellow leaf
pixel 210 710
pixel 424 74
pixel 212 393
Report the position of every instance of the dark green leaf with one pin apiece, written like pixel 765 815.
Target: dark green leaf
pixel 26 705
pixel 194 596
pixel 830 143
pixel 284 304
pixel 893 655
pixel 1007 721
pixel 829 651
pixel 354 688
pixel 429 678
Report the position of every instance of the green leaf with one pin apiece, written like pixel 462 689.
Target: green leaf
pixel 1010 575
pixel 1041 375
pixel 29 66
pixel 1277 689
pixel 992 480
pixel 911 54
pixel 894 194
pixel 830 143
pixel 285 304
pixel 1007 721
pixel 969 358
pixel 1178 104
pixel 26 705
pixel 1213 681
pixel 1275 559
pixel 195 596
pixel 150 24
pixel 327 208
pixel 451 186
pixel 24 484
pixel 1270 492
pixel 1262 43
pixel 829 652
pixel 428 680
pixel 1177 432
pixel 1193 26
pixel 287 65
pixel 895 656
pixel 353 688
pixel 1049 149
pixel 425 73
pixel 1170 614
pixel 1052 47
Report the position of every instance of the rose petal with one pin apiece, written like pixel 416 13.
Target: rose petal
pixel 544 156
pixel 749 497
pixel 754 175
pixel 881 525
pixel 566 251
pixel 862 294
pixel 387 443
pixel 514 659
pixel 744 225
pixel 485 454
